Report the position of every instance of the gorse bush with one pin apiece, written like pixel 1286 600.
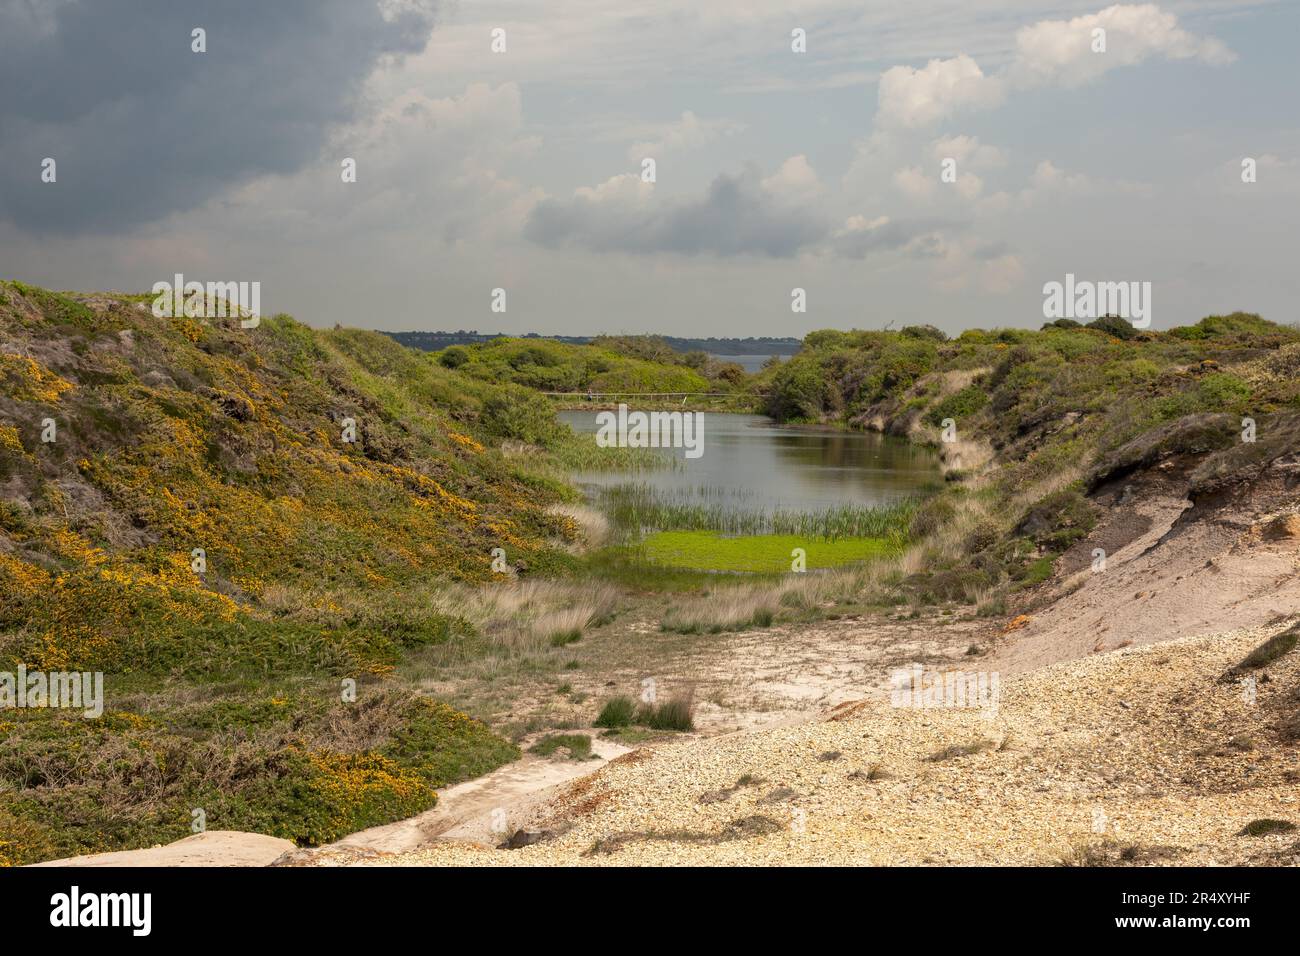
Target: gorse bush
pixel 289 765
pixel 250 509
pixel 1033 377
pixel 239 449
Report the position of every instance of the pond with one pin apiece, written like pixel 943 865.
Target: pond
pixel 753 471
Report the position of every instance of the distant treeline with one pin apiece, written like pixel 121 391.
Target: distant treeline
pixel 760 345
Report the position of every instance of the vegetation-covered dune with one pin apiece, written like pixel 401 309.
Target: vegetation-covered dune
pixel 183 510
pixel 610 364
pixel 1033 424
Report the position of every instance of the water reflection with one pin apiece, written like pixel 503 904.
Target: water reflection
pixel 753 464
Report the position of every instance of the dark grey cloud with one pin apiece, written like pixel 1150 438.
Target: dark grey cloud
pixel 735 216
pixel 141 126
pixel 992 250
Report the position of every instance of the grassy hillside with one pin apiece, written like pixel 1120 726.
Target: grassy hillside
pixel 557 367
pixel 180 439
pixel 1040 421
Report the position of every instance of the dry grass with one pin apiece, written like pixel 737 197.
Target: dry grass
pixel 732 609
pixel 512 615
pixel 531 615
pixel 744 606
pixel 593 524
pixel 966 456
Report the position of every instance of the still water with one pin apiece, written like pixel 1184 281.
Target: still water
pixel 749 463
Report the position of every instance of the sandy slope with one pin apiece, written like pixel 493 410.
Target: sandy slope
pixel 1142 751
pixel 1176 579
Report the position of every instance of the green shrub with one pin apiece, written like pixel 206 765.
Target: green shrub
pixel 565 637
pixel 924 332
pixel 1239 328
pixel 617 712
pixel 454 356
pixel 677 713
pixel 523 415
pixel 1114 325
pixel 798 391
pixel 1222 392
pixel 959 406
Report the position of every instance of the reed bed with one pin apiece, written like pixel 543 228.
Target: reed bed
pixel 641 508
pixel 579 452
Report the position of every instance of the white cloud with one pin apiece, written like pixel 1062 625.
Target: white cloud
pixel 1061 51
pixel 860 236
pixel 908 97
pixel 795 181
pixel 968 185
pixel 1050 180
pixel 922 184
pixel 627 190
pixel 741 214
pixel 1050 52
pixel 450 152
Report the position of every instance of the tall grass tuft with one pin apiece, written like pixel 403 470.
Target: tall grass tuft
pixel 677 713
pixel 617 712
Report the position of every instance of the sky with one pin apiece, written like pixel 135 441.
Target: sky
pixel 796 145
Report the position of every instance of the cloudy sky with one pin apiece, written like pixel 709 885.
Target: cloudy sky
pixel 774 169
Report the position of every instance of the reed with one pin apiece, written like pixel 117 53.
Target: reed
pixel 639 508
